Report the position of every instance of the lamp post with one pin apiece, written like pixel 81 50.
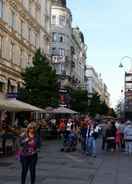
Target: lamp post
pixel 125 58
pixel 127 88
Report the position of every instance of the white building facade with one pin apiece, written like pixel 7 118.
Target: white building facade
pixel 67 48
pixel 61 20
pixel 24 27
pixel 95 84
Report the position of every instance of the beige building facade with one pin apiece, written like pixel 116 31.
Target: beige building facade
pixel 95 84
pixel 24 27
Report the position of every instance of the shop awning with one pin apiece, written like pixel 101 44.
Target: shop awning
pixel 18 106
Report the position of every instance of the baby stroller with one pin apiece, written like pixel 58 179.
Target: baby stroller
pixel 70 142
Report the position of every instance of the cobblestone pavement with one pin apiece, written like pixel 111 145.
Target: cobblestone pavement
pixel 55 167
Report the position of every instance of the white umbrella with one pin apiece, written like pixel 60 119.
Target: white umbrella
pixel 17 106
pixel 63 110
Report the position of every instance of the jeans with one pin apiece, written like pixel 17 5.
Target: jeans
pixel 129 147
pixel 28 163
pixel 91 146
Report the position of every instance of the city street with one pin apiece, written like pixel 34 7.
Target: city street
pixel 55 167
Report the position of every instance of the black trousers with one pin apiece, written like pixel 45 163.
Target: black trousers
pixel 103 143
pixel 28 163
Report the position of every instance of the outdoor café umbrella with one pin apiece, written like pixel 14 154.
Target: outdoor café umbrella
pixel 18 106
pixel 63 110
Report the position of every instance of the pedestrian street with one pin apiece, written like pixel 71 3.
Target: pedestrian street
pixel 55 167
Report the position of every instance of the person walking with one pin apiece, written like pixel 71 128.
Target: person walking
pixel 128 137
pixel 83 132
pixel 92 135
pixel 28 153
pixel 110 137
pixel 104 128
pixel 118 139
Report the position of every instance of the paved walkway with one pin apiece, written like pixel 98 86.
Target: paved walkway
pixel 55 167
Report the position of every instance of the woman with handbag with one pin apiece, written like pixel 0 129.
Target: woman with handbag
pixel 28 153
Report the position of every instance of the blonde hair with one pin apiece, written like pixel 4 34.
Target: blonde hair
pixel 31 125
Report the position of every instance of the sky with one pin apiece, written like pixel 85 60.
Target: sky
pixel 107 28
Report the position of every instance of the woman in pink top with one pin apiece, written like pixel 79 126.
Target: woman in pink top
pixel 28 153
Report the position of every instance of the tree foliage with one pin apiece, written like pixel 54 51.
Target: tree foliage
pixel 79 100
pixel 96 106
pixel 40 83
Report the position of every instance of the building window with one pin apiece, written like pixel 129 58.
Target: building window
pixel 29 34
pixel 62 20
pixel 12 51
pixel 30 6
pixel 54 51
pixel 29 60
pixel 36 40
pixel 54 37
pixel 1 8
pixel 21 28
pixel 13 19
pixel 53 21
pixel 61 37
pixel 1 41
pixel 61 52
pixel 21 56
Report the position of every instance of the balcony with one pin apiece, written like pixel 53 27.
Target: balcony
pixel 58 59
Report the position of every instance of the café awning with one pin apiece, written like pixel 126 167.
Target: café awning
pixel 18 106
pixel 63 110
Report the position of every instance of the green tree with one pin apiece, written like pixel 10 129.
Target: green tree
pixel 40 83
pixel 104 109
pixel 79 100
pixel 94 105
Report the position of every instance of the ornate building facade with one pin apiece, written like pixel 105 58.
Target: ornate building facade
pixel 24 27
pixel 95 84
pixel 78 58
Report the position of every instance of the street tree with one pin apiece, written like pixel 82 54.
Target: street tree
pixel 41 87
pixel 79 100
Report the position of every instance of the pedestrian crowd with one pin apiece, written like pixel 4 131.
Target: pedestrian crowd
pixel 116 136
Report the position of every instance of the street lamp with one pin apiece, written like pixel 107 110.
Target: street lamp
pixel 124 59
pixel 128 87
